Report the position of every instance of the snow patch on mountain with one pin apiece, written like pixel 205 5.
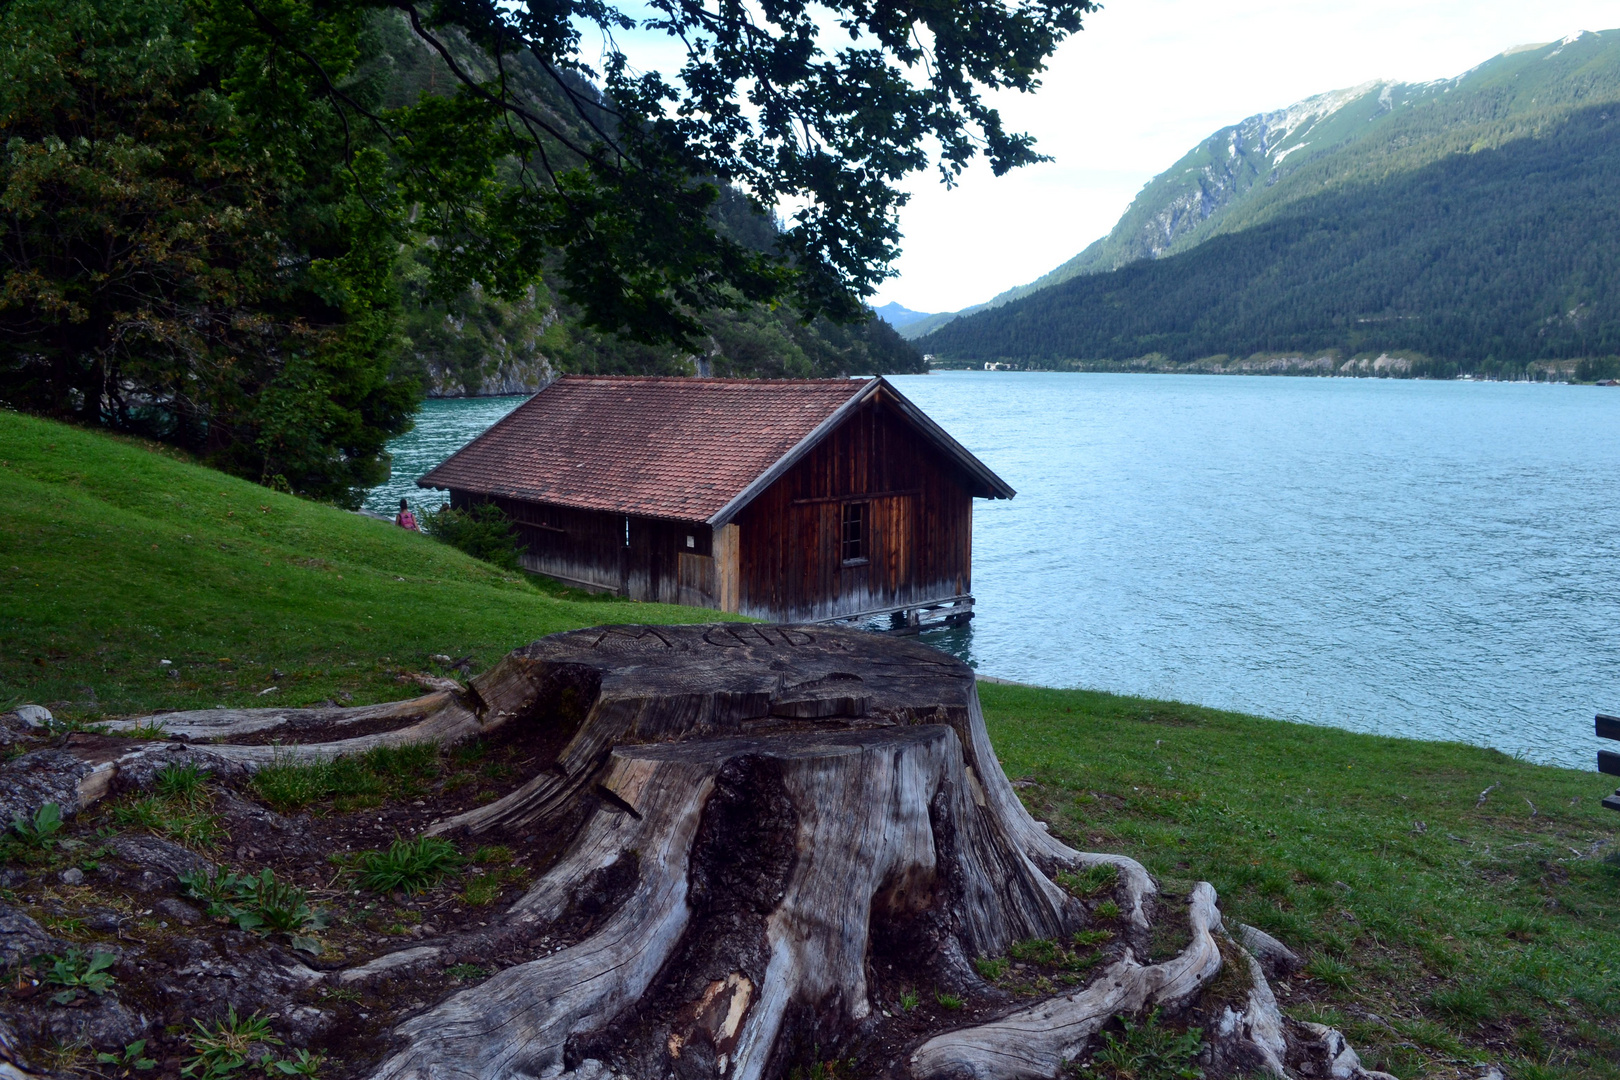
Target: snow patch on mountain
pixel 1275 127
pixel 1567 41
pixel 1277 158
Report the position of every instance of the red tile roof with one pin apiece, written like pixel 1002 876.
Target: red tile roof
pixel 657 447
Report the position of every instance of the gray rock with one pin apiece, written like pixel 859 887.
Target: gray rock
pixel 238 969
pixel 301 1023
pixel 103 921
pixel 161 861
pixel 21 938
pixel 72 876
pixel 13 731
pixel 138 770
pixel 105 1023
pixel 35 716
pixel 40 777
pixel 178 910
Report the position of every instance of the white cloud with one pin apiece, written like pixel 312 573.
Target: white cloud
pixel 1149 78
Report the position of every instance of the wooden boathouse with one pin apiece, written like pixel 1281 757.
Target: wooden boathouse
pixel 796 500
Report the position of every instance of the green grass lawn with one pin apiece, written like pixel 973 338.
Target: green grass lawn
pixel 115 555
pixel 1441 932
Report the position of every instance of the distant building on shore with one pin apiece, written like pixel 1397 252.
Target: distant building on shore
pixel 797 500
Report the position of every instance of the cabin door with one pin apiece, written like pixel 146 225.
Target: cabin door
pixel 697 581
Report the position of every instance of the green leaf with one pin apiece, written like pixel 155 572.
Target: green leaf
pixel 48 819
pixel 304 943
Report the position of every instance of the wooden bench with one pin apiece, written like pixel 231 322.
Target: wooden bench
pixel 1608 727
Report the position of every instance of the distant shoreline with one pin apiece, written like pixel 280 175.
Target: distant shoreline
pixel 1322 365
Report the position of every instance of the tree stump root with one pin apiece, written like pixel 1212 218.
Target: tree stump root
pixel 763 836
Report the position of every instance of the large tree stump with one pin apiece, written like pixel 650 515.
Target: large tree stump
pixel 761 833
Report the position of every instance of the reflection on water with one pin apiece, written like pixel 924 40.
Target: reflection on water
pixel 1429 559
pixel 956 640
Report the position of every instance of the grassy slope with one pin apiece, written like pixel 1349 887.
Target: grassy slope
pixel 1490 935
pixel 1490 932
pixel 113 557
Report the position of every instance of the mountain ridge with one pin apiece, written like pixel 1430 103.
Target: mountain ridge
pixel 1231 179
pixel 1386 217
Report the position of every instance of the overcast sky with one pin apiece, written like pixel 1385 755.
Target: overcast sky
pixel 1149 78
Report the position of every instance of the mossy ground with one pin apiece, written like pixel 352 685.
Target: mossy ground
pixel 1441 932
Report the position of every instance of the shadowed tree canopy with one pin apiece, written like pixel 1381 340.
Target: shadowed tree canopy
pixel 210 204
pixel 822 107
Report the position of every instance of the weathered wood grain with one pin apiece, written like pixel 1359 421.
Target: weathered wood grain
pixel 742 819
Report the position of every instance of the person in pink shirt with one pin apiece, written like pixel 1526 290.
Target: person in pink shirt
pixel 406 519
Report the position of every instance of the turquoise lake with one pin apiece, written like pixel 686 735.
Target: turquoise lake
pixel 1430 559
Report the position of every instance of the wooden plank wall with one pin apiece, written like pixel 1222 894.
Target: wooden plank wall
pixel 587 548
pixel 920 526
pixel 657 557
pixel 580 547
pixel 781 559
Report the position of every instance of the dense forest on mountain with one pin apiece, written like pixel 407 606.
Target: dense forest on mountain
pixel 1483 260
pixel 1249 172
pixel 1460 219
pixel 476 341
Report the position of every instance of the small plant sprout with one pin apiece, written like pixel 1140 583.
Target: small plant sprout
pixel 221 1050
pixel 1091 881
pixel 1106 910
pixel 79 973
pixel 212 888
pixel 408 866
pixel 909 1000
pixel 183 782
pixel 991 969
pixel 132 1059
pixel 260 904
pixel 184 817
pixel 1335 973
pixel 482 890
pixel 1148 1051
pixel 949 1002
pixel 39 831
pixel 303 1063
pixel 465 972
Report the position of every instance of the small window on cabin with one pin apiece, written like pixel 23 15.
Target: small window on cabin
pixel 691 541
pixel 852 534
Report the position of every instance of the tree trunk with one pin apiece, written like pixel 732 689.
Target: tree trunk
pixel 765 837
